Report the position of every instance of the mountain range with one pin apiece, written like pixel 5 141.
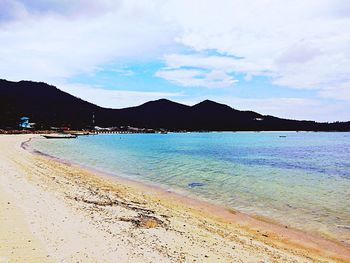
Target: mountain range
pixel 48 106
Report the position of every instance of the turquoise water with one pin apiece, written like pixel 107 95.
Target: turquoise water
pixel 301 180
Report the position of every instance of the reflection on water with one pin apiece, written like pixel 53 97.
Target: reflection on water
pixel 301 180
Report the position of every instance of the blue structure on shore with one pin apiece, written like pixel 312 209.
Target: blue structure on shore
pixel 24 123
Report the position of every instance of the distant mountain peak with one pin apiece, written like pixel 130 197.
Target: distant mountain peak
pixel 208 102
pixel 163 102
pixel 211 104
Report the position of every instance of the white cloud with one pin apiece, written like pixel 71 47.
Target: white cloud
pixel 124 72
pixel 111 98
pixel 341 92
pixel 197 78
pixel 221 67
pixel 17 9
pixel 300 44
pixel 53 41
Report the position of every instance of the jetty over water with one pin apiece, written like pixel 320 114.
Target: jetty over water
pixel 126 130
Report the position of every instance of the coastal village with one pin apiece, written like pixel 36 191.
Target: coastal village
pixel 27 127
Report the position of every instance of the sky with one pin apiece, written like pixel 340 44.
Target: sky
pixel 287 58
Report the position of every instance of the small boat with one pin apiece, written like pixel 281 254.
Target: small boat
pixel 81 133
pixel 60 136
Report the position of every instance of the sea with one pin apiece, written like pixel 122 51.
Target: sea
pixel 297 179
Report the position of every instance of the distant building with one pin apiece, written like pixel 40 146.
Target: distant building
pixel 24 123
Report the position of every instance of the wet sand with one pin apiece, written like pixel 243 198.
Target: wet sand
pixel 71 214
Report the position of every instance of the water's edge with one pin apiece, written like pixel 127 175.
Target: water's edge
pixel 251 223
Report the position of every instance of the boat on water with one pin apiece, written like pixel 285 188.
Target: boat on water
pixel 60 136
pixel 80 133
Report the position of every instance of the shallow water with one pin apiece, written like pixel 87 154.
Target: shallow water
pixel 301 180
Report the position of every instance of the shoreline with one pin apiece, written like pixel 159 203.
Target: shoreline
pixel 214 219
pixel 267 226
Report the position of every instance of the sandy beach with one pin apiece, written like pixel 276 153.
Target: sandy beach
pixel 58 212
